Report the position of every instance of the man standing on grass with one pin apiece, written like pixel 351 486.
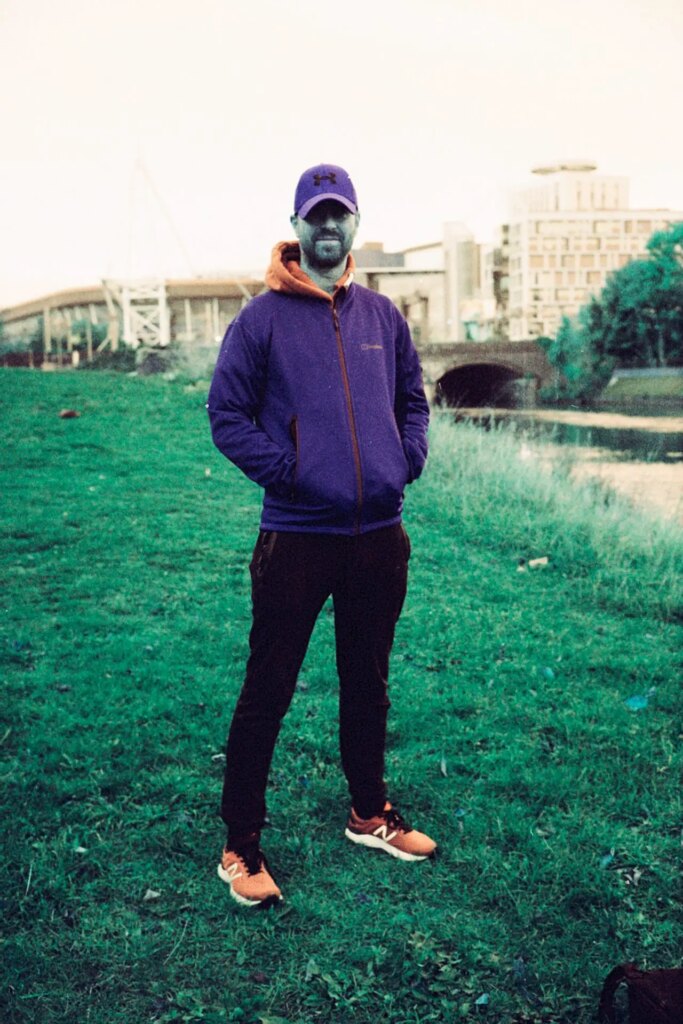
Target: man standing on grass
pixel 317 396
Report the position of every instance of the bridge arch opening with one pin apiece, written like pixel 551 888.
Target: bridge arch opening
pixel 485 384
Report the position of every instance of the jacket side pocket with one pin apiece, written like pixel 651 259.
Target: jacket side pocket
pixel 294 434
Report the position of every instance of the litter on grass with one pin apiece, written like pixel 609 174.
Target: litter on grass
pixel 533 563
pixel 639 700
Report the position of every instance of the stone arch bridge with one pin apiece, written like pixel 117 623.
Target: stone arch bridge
pixel 502 373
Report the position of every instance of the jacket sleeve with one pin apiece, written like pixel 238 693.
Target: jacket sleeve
pixel 412 408
pixel 234 401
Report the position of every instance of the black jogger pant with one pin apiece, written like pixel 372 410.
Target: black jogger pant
pixel 292 576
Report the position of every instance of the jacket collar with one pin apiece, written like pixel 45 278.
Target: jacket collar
pixel 285 274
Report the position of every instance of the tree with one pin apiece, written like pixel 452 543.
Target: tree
pixel 583 368
pixel 667 247
pixel 636 320
pixel 643 314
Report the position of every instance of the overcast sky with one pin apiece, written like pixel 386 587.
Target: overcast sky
pixel 148 137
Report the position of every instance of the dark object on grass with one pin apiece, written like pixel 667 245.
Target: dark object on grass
pixel 69 414
pixel 654 997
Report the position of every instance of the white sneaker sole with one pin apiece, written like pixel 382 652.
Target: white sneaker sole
pixel 375 843
pixel 269 901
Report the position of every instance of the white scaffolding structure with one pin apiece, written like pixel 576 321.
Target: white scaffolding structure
pixel 144 311
pixel 145 314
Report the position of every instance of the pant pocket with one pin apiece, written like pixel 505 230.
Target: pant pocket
pixel 263 552
pixel 406 541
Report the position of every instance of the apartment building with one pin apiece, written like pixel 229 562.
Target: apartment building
pixel 565 236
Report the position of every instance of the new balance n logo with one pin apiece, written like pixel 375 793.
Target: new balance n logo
pixel 383 833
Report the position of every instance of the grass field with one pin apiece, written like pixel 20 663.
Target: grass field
pixel 515 738
pixel 628 388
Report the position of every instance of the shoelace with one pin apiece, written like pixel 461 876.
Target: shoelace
pixel 394 820
pixel 253 857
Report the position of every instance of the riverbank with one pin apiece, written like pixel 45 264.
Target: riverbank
pixel 662 386
pixel 532 732
pixel 639 457
pixel 653 486
pixel 577 417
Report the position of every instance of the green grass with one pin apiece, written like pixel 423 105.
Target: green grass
pixel 626 388
pixel 124 627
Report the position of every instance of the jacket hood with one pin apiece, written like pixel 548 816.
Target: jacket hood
pixel 285 274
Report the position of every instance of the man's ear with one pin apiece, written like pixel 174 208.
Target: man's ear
pixel 294 221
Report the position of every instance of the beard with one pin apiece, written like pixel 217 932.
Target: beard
pixel 325 252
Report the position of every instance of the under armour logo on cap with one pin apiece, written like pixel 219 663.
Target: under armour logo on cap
pixel 324 181
pixel 319 178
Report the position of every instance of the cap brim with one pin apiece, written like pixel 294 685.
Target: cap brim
pixel 304 210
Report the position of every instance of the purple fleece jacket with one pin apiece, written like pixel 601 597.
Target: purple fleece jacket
pixel 319 399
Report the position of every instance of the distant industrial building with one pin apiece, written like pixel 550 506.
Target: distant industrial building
pixel 431 284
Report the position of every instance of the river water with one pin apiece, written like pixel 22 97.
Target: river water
pixel 638 456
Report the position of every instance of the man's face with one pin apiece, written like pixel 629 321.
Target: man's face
pixel 326 234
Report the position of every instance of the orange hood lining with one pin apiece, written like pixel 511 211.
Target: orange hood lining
pixel 285 274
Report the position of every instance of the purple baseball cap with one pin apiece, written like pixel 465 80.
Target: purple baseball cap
pixel 324 181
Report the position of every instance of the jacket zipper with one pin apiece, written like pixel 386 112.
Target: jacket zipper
pixel 352 419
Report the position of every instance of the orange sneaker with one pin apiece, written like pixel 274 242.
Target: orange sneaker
pixel 389 832
pixel 246 872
